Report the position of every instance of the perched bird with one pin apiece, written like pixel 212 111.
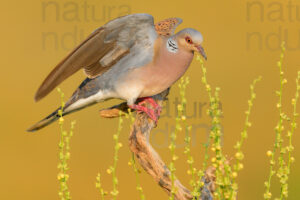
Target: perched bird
pixel 128 58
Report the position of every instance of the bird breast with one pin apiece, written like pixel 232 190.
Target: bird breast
pixel 165 69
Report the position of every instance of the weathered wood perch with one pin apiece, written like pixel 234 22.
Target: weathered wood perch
pixel 148 157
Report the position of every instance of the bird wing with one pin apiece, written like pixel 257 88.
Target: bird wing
pixel 167 27
pixel 103 49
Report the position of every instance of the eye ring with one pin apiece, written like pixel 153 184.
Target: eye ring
pixel 189 40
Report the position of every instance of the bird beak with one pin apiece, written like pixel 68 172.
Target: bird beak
pixel 201 51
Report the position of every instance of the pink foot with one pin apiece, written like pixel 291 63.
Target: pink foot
pixel 151 113
pixel 151 101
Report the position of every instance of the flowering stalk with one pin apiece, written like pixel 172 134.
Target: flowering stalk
pixel 284 170
pixel 64 153
pixel 180 117
pixel 137 177
pixel 112 169
pixel 290 148
pixel 239 154
pixel 99 186
pixel 278 129
pixel 219 161
pixel 187 150
pixel 132 162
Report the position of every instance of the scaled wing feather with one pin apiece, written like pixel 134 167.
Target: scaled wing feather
pixel 167 27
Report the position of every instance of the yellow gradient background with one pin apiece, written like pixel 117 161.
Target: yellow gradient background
pixel 36 35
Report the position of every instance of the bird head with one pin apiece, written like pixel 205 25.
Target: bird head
pixel 191 40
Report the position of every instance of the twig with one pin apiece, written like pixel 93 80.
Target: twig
pixel 149 158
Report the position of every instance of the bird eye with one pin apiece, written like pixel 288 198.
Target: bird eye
pixel 189 40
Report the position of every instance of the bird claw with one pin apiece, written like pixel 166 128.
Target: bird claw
pixel 152 113
pixel 153 103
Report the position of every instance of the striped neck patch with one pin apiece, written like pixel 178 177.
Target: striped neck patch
pixel 172 45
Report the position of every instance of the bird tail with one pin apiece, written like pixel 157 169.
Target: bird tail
pixel 45 122
pixel 55 115
pixel 72 105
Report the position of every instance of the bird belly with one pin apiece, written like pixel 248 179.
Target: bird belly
pixel 128 89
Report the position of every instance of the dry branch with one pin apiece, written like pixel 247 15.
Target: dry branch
pixel 149 158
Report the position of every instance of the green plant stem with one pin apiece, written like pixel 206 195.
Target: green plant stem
pixel 191 171
pixel 180 117
pixel 219 161
pixel 99 186
pixel 238 165
pixel 137 177
pixel 113 169
pixel 278 130
pixel 293 124
pixel 64 153
pixel 284 188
